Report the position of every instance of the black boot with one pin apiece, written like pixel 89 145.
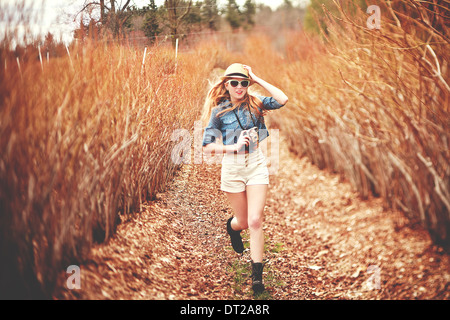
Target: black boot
pixel 257 282
pixel 236 240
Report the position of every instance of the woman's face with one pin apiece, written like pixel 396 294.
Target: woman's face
pixel 237 93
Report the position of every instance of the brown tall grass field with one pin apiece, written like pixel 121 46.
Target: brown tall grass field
pixel 373 104
pixel 86 138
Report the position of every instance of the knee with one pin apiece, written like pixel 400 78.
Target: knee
pixel 240 225
pixel 255 222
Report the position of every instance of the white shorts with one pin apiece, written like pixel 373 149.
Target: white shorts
pixel 242 170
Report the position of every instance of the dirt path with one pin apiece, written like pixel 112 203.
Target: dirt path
pixel 322 242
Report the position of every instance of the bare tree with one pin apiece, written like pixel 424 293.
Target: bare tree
pixel 113 14
pixel 176 12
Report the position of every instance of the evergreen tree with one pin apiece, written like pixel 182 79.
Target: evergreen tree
pixel 249 14
pixel 210 14
pixel 151 25
pixel 233 15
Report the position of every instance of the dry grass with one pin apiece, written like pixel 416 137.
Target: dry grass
pixel 374 106
pixel 88 137
pixel 83 139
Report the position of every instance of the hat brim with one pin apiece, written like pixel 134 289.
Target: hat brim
pixel 237 77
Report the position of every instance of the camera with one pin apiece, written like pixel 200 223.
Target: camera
pixel 254 139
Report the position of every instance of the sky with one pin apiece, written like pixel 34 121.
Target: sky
pixel 55 15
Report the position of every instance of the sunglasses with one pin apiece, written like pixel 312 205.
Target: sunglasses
pixel 243 83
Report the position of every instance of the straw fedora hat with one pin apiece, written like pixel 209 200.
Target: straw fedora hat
pixel 237 70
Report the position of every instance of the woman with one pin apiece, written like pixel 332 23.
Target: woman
pixel 245 176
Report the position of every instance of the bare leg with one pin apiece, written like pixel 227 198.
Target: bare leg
pixel 256 200
pixel 238 202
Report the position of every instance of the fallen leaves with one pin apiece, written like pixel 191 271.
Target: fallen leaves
pixel 322 242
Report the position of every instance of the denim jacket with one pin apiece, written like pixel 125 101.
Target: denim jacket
pixel 227 125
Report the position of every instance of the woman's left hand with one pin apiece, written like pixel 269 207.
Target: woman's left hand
pixel 250 72
pixel 276 93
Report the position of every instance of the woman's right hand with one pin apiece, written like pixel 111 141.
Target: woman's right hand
pixel 243 141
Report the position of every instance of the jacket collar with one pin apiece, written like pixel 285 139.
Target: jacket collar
pixel 225 104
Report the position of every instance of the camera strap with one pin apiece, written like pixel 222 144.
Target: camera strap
pixel 247 147
pixel 251 115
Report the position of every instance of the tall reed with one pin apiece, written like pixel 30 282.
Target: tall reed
pixel 375 106
pixel 84 138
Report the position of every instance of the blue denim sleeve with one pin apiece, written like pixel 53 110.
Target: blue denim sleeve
pixel 212 131
pixel 270 103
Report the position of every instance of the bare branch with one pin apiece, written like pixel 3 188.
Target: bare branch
pixel 186 12
pixel 85 7
pixel 125 5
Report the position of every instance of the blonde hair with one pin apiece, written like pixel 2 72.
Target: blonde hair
pixel 218 94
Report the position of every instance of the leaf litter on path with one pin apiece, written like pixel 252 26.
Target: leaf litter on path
pixel 322 242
